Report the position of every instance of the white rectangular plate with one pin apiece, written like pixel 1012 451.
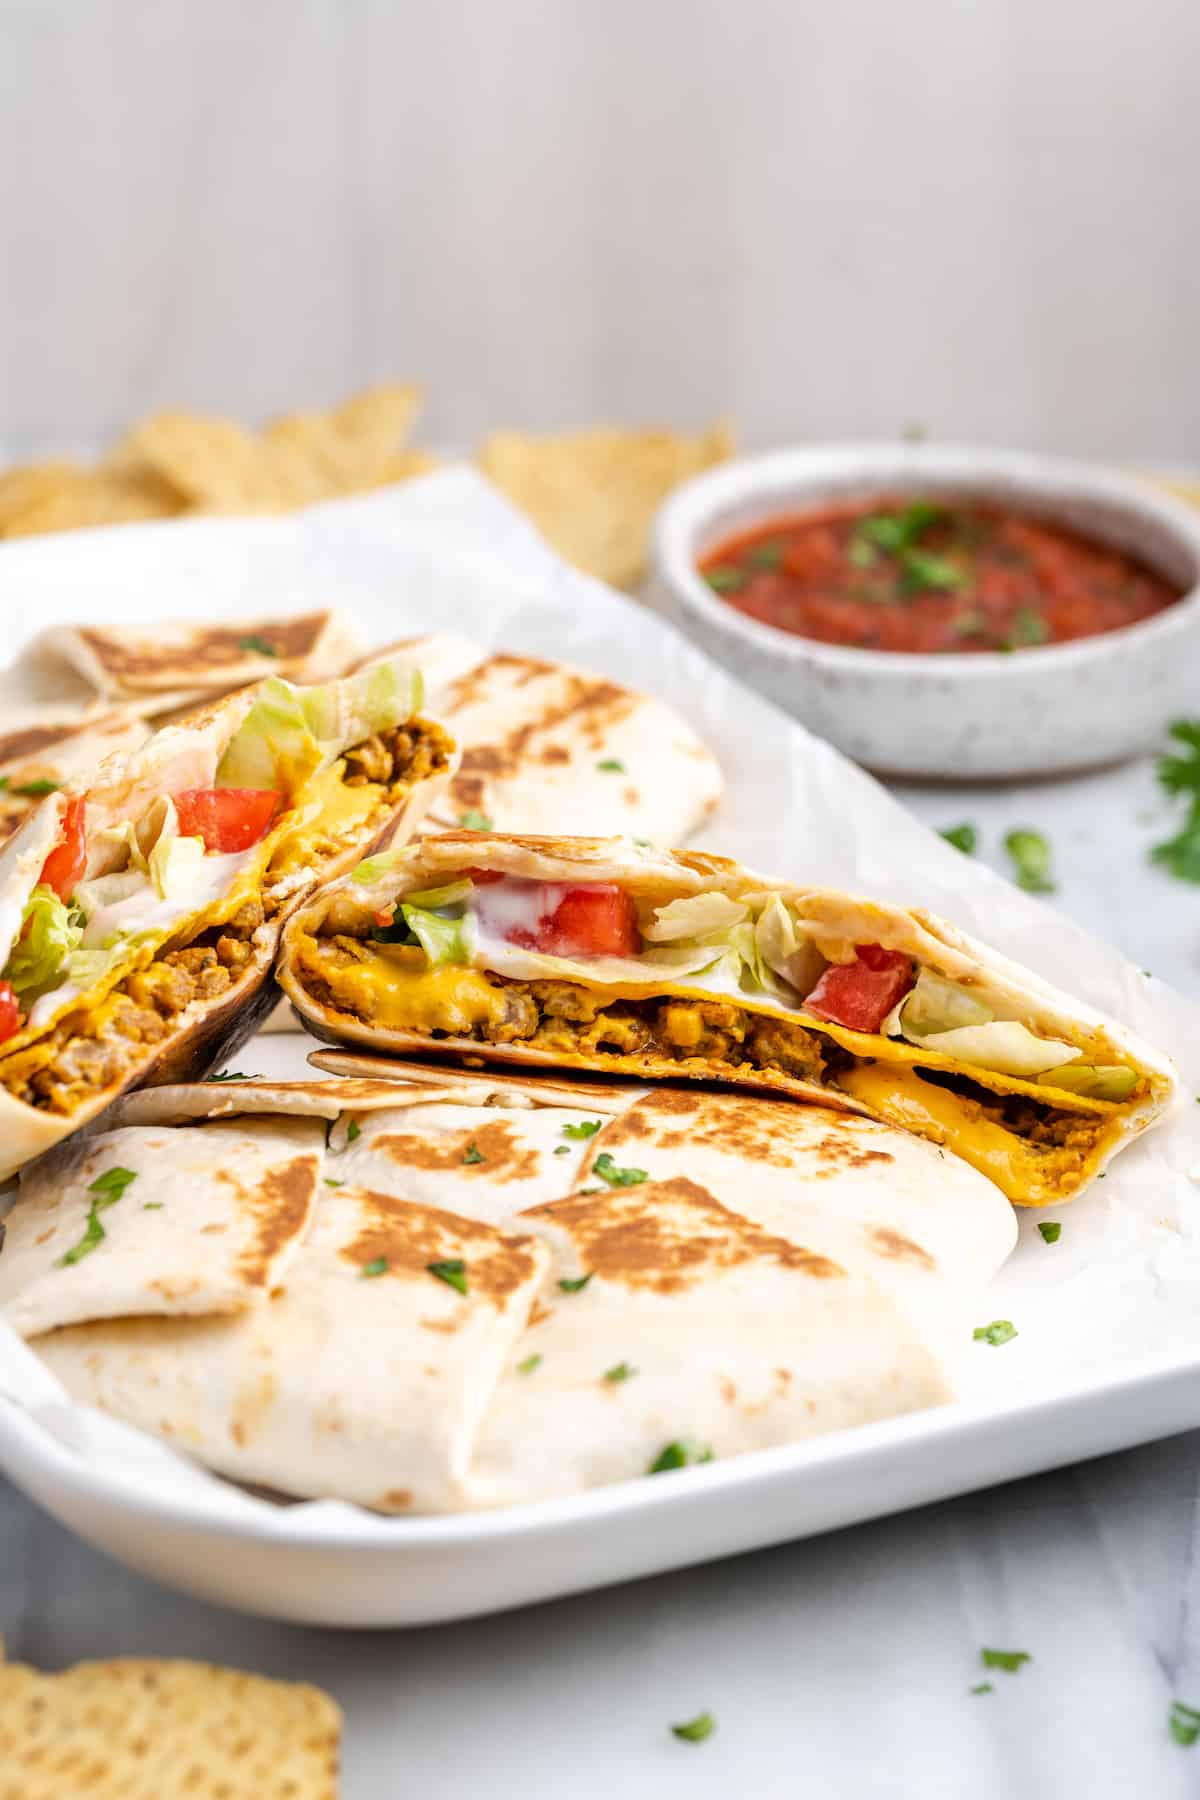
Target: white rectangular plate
pixel 1108 1319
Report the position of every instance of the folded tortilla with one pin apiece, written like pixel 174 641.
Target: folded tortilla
pixel 658 1275
pixel 155 665
pixel 547 748
pixel 455 947
pixel 202 1221
pixel 47 753
pixel 155 964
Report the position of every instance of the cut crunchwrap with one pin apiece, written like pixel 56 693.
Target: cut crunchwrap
pixel 51 750
pixel 593 954
pixel 140 914
pixel 532 1297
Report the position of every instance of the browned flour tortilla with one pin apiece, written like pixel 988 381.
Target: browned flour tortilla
pixel 728 976
pixel 48 752
pixel 496 1288
pixel 160 967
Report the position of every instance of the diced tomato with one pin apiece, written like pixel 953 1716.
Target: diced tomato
pixel 10 1012
pixel 590 921
pixel 861 994
pixel 66 862
pixel 226 818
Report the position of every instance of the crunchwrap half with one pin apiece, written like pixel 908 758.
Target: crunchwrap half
pixel 140 914
pixel 600 955
pixel 505 1290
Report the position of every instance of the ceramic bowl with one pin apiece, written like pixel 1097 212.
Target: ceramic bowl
pixel 1049 709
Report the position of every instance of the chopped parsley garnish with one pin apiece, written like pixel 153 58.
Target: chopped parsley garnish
pixel 577 1284
pixel 330 1182
pixel 152 1205
pixel 232 1075
pixel 607 1170
pixel 1051 1230
pixel 895 532
pixel 679 1455
pixel 765 555
pixel 611 766
pixel 378 1265
pixel 619 1372
pixel 529 1365
pixel 922 571
pixel 1008 1660
pixel 1028 627
pixel 562 1149
pixel 1030 853
pixel 473 1154
pixel 474 821
pixel 724 580
pixel 694 1731
pixel 1185 1723
pixel 1179 776
pixel 33 790
pixel 453 1273
pixel 258 644
pixel 586 1128
pixel 1000 1331
pixel 107 1189
pixel 353 1130
pixel 964 837
pixel 984 1687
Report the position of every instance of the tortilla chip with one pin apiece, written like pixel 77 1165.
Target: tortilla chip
pixel 63 497
pixel 143 1730
pixel 205 461
pixel 593 494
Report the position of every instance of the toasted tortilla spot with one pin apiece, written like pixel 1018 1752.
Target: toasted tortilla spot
pixel 622 1238
pixel 504 1158
pixel 251 1405
pixel 898 1248
pixel 729 1391
pixel 280 1206
pixel 395 1500
pixel 556 753
pixel 409 1237
pixel 209 647
pixel 18 746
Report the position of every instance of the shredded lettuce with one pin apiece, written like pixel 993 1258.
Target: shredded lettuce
pixel 373 867
pixel 933 1005
pixel 274 746
pixel 173 863
pixel 49 933
pixel 342 713
pixel 694 916
pixel 795 959
pixel 1095 1081
pixel 444 940
pixel 103 891
pixel 450 895
pixel 1004 1046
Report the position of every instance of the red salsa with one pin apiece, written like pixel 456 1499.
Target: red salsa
pixel 921 575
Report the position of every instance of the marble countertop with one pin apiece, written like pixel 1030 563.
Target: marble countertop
pixel 840 1667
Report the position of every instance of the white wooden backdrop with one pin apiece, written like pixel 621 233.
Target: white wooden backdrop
pixel 830 217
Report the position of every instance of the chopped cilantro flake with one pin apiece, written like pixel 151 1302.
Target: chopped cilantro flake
pixel 378 1265
pixel 330 1182
pixel 964 837
pixel 1179 776
pixel 619 1372
pixel 258 644
pixel 562 1149
pixel 1030 853
pixel 474 821
pixel 453 1273
pixel 1008 1660
pixel 529 1365
pixel 232 1075
pixel 152 1205
pixel 1000 1331
pixel 611 766
pixel 679 1455
pixel 724 580
pixel 1051 1230
pixel 577 1284
pixel 607 1170
pixel 984 1687
pixel 353 1130
pixel 694 1731
pixel 473 1154
pixel 586 1128
pixel 107 1189
pixel 34 790
pixel 1185 1723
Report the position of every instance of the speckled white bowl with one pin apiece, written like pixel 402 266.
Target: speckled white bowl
pixel 953 717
